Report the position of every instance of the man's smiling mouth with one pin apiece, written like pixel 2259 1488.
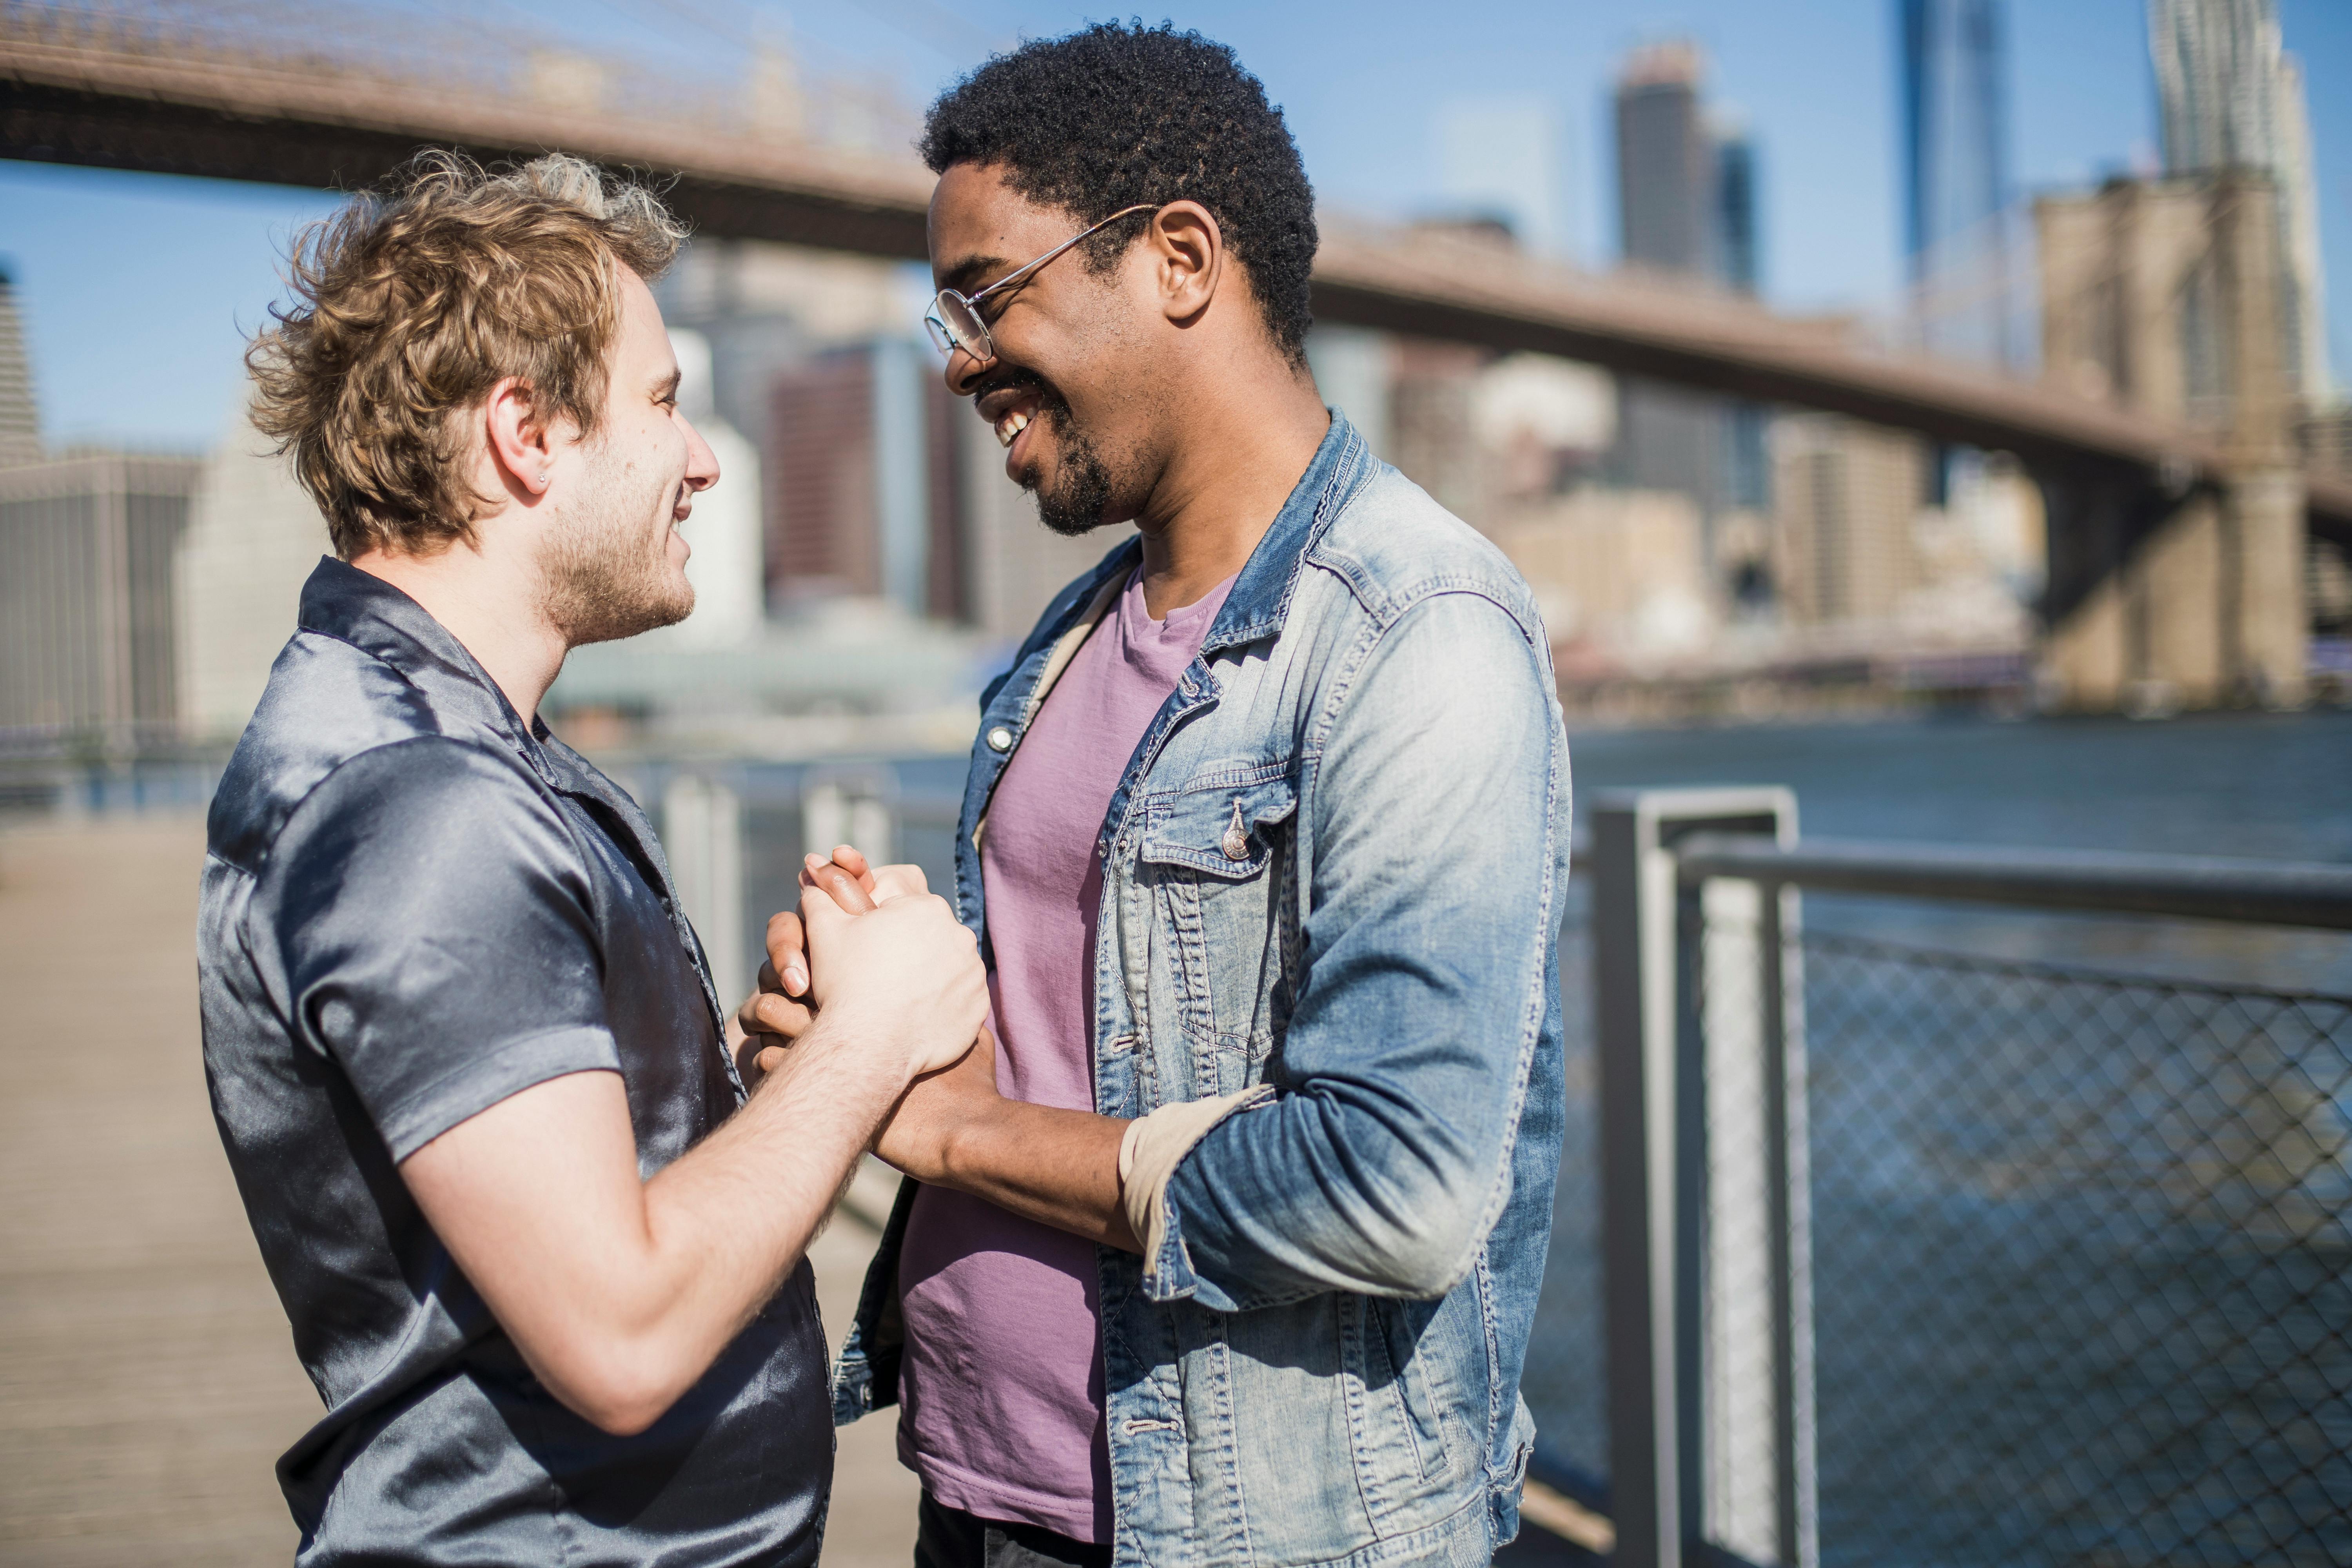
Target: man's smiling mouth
pixel 1015 419
pixel 1012 405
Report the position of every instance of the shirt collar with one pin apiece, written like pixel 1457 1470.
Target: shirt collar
pixel 342 602
pixel 1261 594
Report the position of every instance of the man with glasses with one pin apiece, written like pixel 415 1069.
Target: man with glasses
pixel 1228 1251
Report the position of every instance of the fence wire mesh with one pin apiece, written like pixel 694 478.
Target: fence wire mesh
pixel 2082 1264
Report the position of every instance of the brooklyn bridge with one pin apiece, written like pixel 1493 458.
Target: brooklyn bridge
pixel 2176 544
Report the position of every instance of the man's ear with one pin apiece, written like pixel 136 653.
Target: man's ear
pixel 1187 259
pixel 516 438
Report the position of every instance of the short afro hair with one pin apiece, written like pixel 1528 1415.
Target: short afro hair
pixel 1120 116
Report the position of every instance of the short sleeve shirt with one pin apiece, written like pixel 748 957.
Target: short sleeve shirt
pixel 414 906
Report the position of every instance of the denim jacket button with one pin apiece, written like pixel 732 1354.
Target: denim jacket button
pixel 999 739
pixel 1235 843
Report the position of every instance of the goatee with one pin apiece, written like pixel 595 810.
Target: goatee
pixel 1076 503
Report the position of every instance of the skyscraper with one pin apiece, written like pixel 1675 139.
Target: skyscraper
pixel 1686 204
pixel 1747 468
pixel 1735 237
pixel 20 421
pixel 1956 178
pixel 1665 162
pixel 2229 99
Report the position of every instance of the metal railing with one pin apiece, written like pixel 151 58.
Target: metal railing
pixel 1914 1254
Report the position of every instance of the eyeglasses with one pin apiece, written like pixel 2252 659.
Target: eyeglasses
pixel 954 320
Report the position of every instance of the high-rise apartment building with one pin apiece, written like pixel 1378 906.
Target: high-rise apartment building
pixel 20 418
pixel 1846 494
pixel 1665 166
pixel 254 537
pixel 866 491
pixel 2229 99
pixel 1956 189
pixel 87 637
pixel 1686 203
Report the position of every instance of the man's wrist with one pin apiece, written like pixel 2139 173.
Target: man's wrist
pixel 841 1040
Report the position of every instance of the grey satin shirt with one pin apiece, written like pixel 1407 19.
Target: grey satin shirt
pixel 414 906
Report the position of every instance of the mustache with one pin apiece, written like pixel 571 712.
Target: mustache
pixel 1022 379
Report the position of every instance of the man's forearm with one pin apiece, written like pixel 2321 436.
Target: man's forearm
pixel 1056 1167
pixel 621 1293
pixel 738 1210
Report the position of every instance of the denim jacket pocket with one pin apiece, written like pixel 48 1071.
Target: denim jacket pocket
pixel 1222 826
pixel 1210 859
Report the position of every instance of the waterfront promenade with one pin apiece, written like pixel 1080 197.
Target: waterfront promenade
pixel 147 1381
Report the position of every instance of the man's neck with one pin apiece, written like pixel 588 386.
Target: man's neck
pixel 490 610
pixel 1237 463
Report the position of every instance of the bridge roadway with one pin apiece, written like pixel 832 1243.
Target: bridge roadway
pixel 119 103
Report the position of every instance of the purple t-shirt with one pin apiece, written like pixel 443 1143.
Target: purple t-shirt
pixel 1001 1387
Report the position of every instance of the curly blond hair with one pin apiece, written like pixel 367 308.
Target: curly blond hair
pixel 413 302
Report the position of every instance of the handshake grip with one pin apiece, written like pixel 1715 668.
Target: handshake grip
pixel 874 949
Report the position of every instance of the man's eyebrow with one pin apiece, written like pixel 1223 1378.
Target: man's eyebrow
pixel 968 271
pixel 667 387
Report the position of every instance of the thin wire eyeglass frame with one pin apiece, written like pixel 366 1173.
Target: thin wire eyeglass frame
pixel 939 320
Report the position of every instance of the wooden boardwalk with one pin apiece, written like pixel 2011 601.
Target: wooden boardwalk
pixel 147 1379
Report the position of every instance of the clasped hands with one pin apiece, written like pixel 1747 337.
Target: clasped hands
pixel 919 1136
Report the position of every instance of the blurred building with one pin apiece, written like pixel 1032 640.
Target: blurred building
pixel 1621 576
pixel 1354 370
pixel 1688 205
pixel 1665 164
pixel 20 417
pixel 866 491
pixel 2163 296
pixel 2325 441
pixel 2166 297
pixel 1431 436
pixel 87 638
pixel 254 536
pixel 2229 99
pixel 1846 494
pixel 1956 198
pixel 87 635
pixel 1542 427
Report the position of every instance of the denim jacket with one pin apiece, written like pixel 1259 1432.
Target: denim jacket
pixel 1332 876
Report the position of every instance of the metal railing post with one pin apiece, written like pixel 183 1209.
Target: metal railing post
pixel 1654 1158
pixel 702 832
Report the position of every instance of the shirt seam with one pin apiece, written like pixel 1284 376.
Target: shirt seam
pixel 398 1109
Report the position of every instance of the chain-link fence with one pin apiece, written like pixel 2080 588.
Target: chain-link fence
pixel 1920 1254
pixel 2081 1267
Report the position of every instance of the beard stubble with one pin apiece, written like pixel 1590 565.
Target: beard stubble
pixel 605 571
pixel 1082 493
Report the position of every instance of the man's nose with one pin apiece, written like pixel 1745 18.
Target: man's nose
pixel 702 462
pixel 965 370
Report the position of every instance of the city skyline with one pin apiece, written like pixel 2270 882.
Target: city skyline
pixel 1959 221
pixel 132 340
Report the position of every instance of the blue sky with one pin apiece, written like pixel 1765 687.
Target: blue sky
pixel 138 289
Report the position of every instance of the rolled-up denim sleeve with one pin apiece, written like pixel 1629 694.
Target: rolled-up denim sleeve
pixel 433 932
pixel 1431 847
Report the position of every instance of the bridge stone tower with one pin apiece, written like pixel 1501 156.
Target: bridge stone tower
pixel 2163 297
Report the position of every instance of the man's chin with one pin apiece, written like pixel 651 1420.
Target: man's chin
pixel 616 623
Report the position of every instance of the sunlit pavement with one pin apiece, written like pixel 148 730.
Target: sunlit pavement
pixel 147 1379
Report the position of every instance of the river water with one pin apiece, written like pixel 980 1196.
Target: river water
pixel 2264 785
